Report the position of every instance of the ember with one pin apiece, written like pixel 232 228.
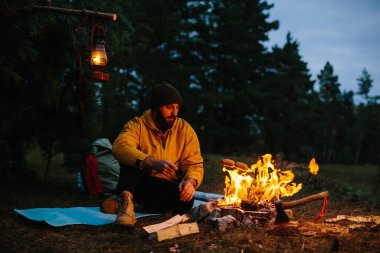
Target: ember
pixel 259 186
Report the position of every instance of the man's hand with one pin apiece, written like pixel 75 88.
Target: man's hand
pixel 187 189
pixel 162 166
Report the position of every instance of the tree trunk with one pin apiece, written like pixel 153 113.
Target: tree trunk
pixel 359 147
pixel 105 116
pixel 48 161
pixel 81 96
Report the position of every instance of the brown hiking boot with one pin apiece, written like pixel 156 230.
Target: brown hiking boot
pixel 110 205
pixel 125 213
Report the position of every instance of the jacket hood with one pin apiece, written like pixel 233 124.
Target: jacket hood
pixel 148 120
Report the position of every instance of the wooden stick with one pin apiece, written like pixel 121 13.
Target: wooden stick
pixel 84 12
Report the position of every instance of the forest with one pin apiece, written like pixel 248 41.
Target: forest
pixel 241 97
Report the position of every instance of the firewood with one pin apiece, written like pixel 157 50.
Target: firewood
pixel 175 231
pixel 233 211
pixel 360 219
pixel 308 229
pixel 242 215
pixel 194 213
pixel 202 211
pixel 247 221
pixel 172 221
pixel 226 222
pixel 216 213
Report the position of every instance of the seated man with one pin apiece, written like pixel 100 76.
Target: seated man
pixel 161 159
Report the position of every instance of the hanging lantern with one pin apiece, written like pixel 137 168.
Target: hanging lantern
pixel 98 55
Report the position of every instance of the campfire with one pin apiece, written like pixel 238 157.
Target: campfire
pixel 252 195
pixel 253 198
pixel 259 186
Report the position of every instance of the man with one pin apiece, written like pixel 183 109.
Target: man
pixel 160 157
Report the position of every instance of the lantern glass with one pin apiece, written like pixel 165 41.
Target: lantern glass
pixel 99 55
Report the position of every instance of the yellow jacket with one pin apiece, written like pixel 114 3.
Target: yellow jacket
pixel 141 138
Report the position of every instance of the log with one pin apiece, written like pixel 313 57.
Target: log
pixel 216 213
pixel 87 13
pixel 175 231
pixel 368 222
pixel 359 219
pixel 202 211
pixel 171 222
pixel 226 222
pixel 247 221
pixel 308 229
pixel 235 212
pixel 242 215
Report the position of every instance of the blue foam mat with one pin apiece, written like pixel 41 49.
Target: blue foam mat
pixel 58 217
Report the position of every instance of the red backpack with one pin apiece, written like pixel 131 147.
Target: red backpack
pixel 101 170
pixel 91 177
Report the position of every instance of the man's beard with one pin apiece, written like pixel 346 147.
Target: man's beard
pixel 163 123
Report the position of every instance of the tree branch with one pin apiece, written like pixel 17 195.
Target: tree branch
pixel 84 12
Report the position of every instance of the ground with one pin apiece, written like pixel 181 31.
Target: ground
pixel 21 235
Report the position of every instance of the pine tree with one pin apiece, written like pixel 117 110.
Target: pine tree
pixel 287 102
pixel 39 102
pixel 367 125
pixel 226 44
pixel 330 95
pixel 336 118
pixel 365 84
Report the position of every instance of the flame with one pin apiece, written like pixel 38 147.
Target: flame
pixel 96 60
pixel 313 167
pixel 262 184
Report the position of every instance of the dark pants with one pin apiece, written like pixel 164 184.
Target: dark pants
pixel 156 194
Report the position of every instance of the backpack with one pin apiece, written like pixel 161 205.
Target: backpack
pixel 101 171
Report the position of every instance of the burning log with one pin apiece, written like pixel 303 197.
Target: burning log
pixel 242 216
pixel 202 211
pixel 282 212
pixel 247 221
pixel 235 212
pixel 226 222
pixel 216 213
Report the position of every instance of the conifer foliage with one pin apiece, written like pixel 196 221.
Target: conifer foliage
pixel 240 96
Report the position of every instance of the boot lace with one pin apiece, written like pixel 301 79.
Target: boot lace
pixel 123 205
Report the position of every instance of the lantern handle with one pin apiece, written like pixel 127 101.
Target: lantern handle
pixel 99 28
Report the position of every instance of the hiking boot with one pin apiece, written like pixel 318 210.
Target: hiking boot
pixel 125 213
pixel 110 205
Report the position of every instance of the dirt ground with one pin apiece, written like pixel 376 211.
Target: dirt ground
pixel 21 235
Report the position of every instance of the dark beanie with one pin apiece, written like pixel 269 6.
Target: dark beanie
pixel 164 94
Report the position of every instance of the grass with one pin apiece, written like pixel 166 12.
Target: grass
pixel 364 177
pixel 350 182
pixel 21 235
pixel 58 174
pixel 353 183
